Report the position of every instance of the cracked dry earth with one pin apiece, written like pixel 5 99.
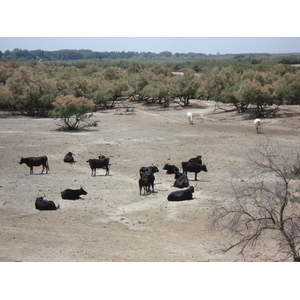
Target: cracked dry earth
pixel 113 222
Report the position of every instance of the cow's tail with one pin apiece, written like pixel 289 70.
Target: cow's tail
pixel 47 165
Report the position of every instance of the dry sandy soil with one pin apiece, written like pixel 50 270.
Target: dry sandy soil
pixel 113 222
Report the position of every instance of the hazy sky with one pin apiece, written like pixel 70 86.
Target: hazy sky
pixel 205 45
pixel 155 26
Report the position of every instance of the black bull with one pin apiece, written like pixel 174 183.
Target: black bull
pixel 182 195
pixel 73 194
pixel 42 204
pixel 99 164
pixel 35 162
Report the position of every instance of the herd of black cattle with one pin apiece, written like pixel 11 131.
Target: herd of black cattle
pixel 145 182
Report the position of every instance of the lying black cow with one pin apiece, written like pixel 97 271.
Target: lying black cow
pixel 144 183
pixel 99 164
pixel 178 174
pixel 35 162
pixel 186 194
pixel 42 204
pixel 171 169
pixel 152 169
pixel 73 194
pixel 69 158
pixel 197 160
pixel 193 167
pixel 182 181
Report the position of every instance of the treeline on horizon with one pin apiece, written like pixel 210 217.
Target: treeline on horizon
pixel 84 54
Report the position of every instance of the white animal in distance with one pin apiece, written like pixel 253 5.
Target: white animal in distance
pixel 258 125
pixel 190 118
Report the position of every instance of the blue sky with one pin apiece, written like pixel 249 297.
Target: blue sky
pixel 158 25
pixel 207 45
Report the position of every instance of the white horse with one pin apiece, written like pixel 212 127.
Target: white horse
pixel 190 118
pixel 258 125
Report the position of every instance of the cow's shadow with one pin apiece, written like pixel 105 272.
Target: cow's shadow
pixel 36 174
pixel 101 175
pixel 148 194
pixel 74 199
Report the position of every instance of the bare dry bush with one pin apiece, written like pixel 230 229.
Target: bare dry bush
pixel 263 203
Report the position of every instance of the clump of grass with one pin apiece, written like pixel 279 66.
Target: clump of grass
pixel 295 172
pixel 296 196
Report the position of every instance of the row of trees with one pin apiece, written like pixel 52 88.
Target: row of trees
pixel 32 89
pixel 85 54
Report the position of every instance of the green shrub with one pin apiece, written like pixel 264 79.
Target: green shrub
pixel 72 112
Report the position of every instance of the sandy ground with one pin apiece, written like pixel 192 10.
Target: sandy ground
pixel 113 222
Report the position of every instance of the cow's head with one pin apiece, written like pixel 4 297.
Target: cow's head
pixel 83 191
pixel 154 169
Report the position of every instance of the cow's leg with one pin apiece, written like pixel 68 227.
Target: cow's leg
pixel 31 170
pixel 43 168
pixel 195 176
pixel 107 170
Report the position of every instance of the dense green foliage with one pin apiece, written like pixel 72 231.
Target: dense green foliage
pixel 252 84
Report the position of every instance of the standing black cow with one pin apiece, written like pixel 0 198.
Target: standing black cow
pixel 197 160
pixel 73 194
pixel 171 169
pixel 99 164
pixel 193 167
pixel 152 169
pixel 147 174
pixel 144 182
pixel 149 178
pixel 42 204
pixel 35 162
pixel 69 158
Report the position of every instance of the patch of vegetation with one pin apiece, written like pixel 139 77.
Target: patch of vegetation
pixel 295 172
pixel 257 89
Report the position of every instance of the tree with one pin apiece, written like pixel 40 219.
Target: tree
pixel 29 93
pixel 287 88
pixel 137 84
pixel 105 93
pixel 159 89
pixel 267 201
pixel 257 92
pixel 136 67
pixel 72 111
pixel 165 54
pixel 187 86
pixel 112 73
